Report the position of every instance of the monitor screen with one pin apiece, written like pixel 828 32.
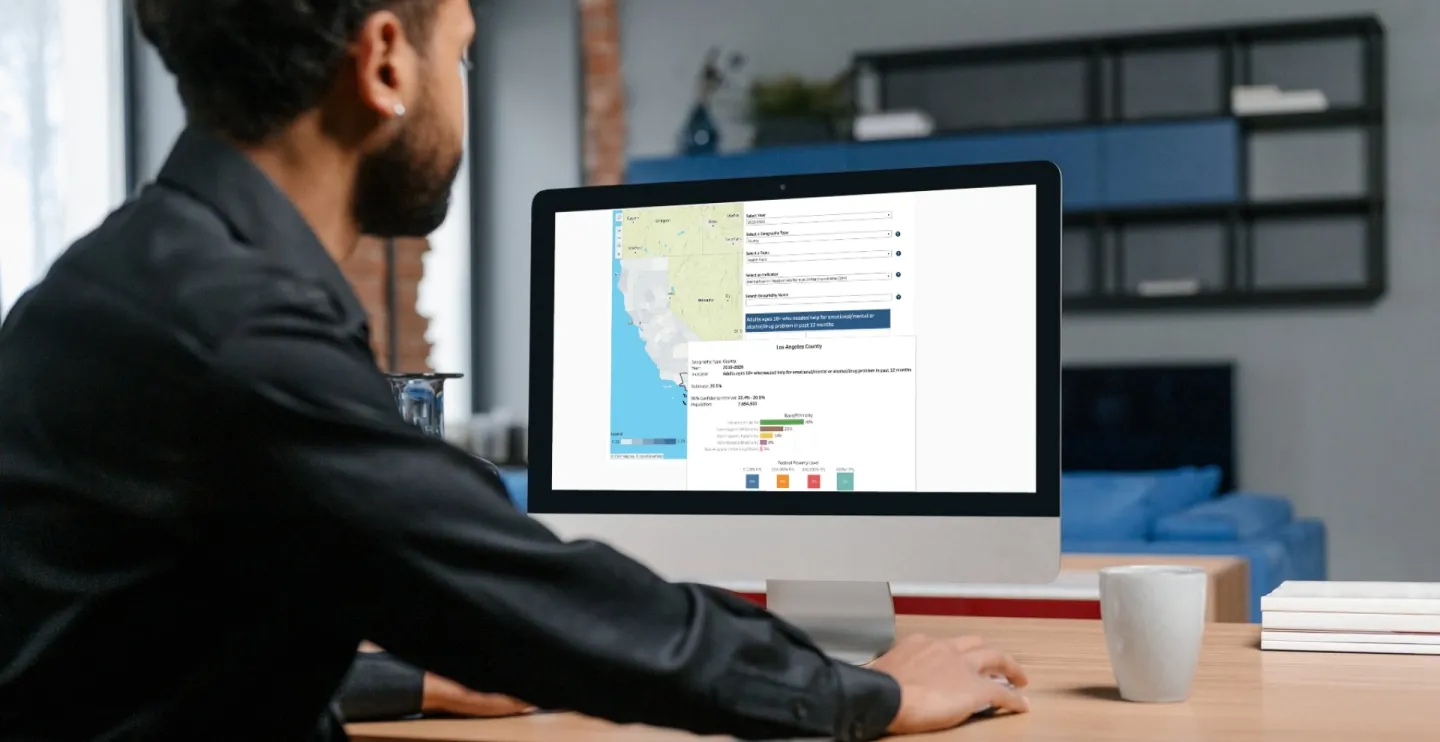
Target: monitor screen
pixel 865 343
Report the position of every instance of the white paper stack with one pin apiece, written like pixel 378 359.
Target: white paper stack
pixel 1366 617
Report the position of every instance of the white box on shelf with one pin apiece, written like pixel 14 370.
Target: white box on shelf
pixel 1264 100
pixel 893 125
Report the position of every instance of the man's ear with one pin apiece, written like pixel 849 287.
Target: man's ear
pixel 386 66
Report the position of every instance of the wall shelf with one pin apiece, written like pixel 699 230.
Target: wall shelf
pixel 1165 185
pixel 1316 207
pixel 1225 300
pixel 1353 116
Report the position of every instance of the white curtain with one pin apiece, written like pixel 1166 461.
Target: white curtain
pixel 61 130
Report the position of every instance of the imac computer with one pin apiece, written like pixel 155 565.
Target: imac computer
pixel 825 384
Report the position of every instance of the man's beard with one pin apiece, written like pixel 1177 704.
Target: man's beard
pixel 403 190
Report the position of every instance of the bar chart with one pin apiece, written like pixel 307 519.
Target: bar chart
pixel 774 430
pixel 802 416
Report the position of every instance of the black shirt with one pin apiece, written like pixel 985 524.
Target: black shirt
pixel 380 687
pixel 208 498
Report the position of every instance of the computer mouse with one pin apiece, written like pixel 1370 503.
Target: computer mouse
pixel 991 710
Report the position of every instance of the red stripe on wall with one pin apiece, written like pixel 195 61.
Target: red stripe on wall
pixel 989 607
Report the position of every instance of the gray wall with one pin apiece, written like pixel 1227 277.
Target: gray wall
pixel 529 141
pixel 162 116
pixel 1339 409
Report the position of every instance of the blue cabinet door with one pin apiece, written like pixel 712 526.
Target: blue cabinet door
pixel 1193 162
pixel 1075 151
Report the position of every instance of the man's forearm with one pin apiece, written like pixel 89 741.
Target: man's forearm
pixel 380 686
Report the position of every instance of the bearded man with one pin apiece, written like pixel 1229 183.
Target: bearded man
pixel 208 498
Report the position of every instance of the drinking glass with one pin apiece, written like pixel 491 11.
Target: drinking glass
pixel 421 399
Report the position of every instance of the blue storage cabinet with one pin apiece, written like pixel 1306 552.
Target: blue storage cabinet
pixel 1110 167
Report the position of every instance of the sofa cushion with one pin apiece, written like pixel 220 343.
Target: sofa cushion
pixel 1236 517
pixel 1172 490
pixel 1180 489
pixel 1104 508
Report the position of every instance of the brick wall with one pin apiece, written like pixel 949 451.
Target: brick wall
pixel 366 271
pixel 604 92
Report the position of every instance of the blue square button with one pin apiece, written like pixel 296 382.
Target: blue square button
pixel 752 481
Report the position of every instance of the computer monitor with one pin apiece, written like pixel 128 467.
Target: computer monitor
pixel 829 382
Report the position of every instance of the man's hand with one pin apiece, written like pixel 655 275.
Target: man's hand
pixel 943 682
pixel 448 697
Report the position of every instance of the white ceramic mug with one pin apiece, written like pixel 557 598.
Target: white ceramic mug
pixel 1154 619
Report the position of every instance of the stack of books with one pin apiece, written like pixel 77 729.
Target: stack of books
pixel 1366 617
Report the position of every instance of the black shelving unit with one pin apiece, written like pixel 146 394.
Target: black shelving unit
pixel 1306 225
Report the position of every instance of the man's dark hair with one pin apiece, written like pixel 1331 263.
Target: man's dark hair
pixel 247 68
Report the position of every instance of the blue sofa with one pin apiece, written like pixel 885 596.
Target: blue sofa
pixel 1177 511
pixel 1181 511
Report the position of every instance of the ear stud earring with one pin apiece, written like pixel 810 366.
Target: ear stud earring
pixel 399 109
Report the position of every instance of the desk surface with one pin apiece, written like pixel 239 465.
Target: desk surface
pixel 1241 695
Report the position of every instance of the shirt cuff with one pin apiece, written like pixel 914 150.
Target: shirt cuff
pixel 379 686
pixel 870 701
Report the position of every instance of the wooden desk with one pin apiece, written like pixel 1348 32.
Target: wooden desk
pixel 1241 695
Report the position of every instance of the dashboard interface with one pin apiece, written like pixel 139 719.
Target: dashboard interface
pixel 880 342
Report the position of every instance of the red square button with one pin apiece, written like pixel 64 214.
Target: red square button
pixel 813 482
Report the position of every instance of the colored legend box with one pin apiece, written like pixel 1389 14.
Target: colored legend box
pixel 782 481
pixel 845 481
pixel 813 481
pixel 752 481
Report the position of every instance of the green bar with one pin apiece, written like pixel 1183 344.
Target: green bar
pixel 782 422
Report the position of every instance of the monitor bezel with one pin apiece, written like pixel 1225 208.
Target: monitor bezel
pixel 1044 503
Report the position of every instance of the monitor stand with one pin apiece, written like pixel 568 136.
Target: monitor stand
pixel 851 621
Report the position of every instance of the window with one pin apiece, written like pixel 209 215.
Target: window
pixel 62 139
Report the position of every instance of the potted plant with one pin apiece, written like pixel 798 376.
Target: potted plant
pixel 791 109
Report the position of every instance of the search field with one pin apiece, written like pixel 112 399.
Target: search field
pixel 785 236
pixel 856 216
pixel 817 278
pixel 786 301
pixel 759 256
